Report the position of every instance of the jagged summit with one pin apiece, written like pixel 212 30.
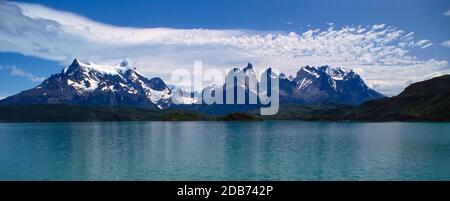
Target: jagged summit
pixel 336 73
pixel 248 67
pixel 124 63
pixel 75 62
pixel 328 84
pixel 104 69
pixel 84 83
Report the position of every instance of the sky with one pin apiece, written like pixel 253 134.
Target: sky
pixel 390 43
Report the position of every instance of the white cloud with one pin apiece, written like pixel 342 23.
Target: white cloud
pixel 16 72
pixel 446 13
pixel 427 45
pixel 381 52
pixel 378 26
pixel 421 43
pixel 446 43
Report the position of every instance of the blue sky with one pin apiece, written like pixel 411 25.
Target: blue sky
pixel 38 39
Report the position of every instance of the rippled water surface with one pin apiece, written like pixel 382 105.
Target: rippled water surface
pixel 268 150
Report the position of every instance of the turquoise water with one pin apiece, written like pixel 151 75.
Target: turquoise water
pixel 269 150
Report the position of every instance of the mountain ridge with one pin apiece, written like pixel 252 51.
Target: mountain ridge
pixel 313 85
pixel 120 85
pixel 422 101
pixel 97 85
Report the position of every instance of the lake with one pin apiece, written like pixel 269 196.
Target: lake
pixel 268 150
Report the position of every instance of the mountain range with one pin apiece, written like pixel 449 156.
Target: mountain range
pixel 313 93
pixel 91 84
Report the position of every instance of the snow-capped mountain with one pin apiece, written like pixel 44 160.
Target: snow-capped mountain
pixel 240 85
pixel 122 86
pixel 99 85
pixel 314 85
pixel 249 77
pixel 311 85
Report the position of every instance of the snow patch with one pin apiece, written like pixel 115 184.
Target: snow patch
pixel 304 83
pixel 338 73
pixel 183 97
pixel 155 96
pixel 104 69
pixel 93 85
pixel 314 73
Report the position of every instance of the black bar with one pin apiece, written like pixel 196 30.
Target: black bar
pixel 280 190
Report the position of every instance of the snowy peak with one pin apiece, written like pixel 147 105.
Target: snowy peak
pixel 336 73
pixel 340 73
pixel 158 84
pixel 89 79
pixel 306 75
pixel 96 68
pixel 311 71
pixel 316 84
pixel 86 83
pixel 308 71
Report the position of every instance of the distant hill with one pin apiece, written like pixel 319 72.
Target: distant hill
pixel 74 113
pixel 422 101
pixel 427 100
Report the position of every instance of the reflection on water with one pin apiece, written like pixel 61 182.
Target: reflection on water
pixel 269 150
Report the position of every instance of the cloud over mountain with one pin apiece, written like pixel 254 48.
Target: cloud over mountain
pixel 380 53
